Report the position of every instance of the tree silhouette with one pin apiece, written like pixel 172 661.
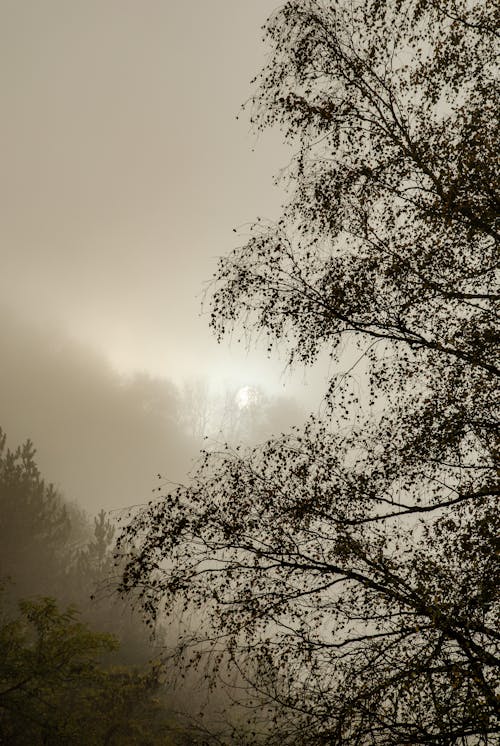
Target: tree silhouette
pixel 34 523
pixel 349 570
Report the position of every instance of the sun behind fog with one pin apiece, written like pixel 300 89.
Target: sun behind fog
pixel 246 397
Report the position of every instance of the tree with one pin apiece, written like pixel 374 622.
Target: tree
pixel 93 577
pixel 55 690
pixel 47 547
pixel 350 570
pixel 94 562
pixel 34 523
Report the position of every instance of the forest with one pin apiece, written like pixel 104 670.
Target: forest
pixel 72 671
pixel 337 582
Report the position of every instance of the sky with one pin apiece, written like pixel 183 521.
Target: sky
pixel 123 173
pixel 124 170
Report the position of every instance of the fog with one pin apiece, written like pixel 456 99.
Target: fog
pixel 124 172
pixel 107 441
pixel 102 437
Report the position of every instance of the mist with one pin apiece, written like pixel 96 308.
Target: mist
pixel 107 442
pixel 100 438
pixel 124 173
pixel 103 438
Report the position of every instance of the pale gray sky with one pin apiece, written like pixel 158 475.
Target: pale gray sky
pixel 123 170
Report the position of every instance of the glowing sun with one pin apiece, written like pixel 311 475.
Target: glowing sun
pixel 246 397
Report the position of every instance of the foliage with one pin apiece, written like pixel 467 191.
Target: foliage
pixel 33 522
pixel 60 682
pixel 93 577
pixel 350 570
pixel 47 546
pixel 53 689
pixel 95 560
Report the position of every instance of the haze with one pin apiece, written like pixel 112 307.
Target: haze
pixel 124 171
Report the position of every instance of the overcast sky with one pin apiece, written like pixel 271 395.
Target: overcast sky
pixel 123 172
